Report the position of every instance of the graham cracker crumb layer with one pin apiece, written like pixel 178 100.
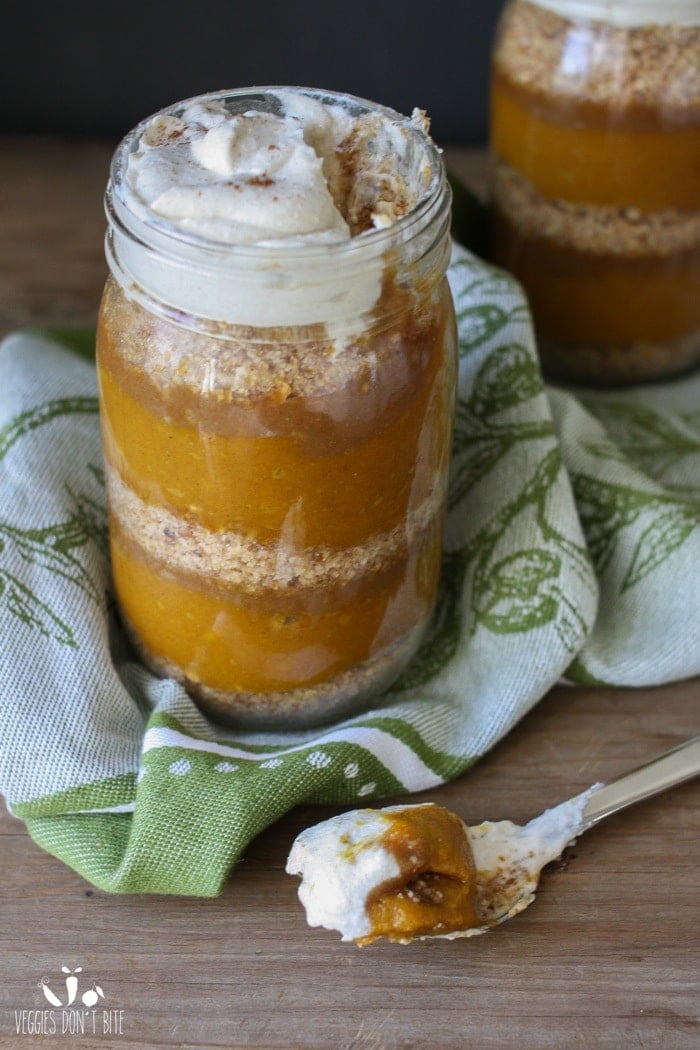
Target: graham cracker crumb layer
pixel 593 229
pixel 229 560
pixel 646 68
pixel 344 694
pixel 238 363
pixel 620 365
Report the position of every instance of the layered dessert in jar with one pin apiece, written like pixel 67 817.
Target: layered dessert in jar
pixel 276 356
pixel 595 134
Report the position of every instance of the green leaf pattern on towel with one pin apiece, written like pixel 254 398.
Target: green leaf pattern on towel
pixel 500 413
pixel 608 509
pixel 508 378
pixel 40 415
pixel 669 529
pixel 654 442
pixel 521 590
pixel 639 525
pixel 54 548
pixel 480 322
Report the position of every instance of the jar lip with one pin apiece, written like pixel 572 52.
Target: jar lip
pixel 138 222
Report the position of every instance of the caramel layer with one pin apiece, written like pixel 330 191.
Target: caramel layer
pixel 329 394
pixel 435 891
pixel 599 365
pixel 580 297
pixel 235 648
pixel 311 705
pixel 576 158
pixel 267 487
pixel 594 229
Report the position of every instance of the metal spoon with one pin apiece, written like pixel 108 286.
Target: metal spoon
pixel 509 858
pixel 346 860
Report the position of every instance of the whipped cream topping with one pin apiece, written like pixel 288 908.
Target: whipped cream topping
pixel 261 178
pixel 626 14
pixel 341 861
pixel 243 178
pixel 257 208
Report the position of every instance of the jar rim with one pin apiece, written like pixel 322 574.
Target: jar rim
pixel 174 240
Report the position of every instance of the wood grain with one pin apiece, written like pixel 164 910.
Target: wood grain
pixel 607 956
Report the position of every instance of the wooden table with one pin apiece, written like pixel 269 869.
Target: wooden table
pixel 607 956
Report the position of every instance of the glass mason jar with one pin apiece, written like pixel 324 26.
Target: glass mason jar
pixel 595 136
pixel 276 424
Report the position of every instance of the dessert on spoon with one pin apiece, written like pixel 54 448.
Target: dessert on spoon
pixel 418 871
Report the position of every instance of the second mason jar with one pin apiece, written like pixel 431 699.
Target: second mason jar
pixel 276 356
pixel 595 133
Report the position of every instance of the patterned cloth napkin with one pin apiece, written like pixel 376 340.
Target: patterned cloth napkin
pixel 572 548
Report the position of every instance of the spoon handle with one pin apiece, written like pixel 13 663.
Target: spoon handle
pixel 664 771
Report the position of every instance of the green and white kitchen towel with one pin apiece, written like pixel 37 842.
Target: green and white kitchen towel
pixel 572 548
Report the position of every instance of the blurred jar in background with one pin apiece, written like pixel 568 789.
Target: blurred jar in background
pixel 595 137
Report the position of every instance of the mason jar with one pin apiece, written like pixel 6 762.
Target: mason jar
pixel 276 420
pixel 595 136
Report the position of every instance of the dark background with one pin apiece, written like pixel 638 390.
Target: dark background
pixel 96 69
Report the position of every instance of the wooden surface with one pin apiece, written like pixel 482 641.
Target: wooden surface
pixel 607 956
